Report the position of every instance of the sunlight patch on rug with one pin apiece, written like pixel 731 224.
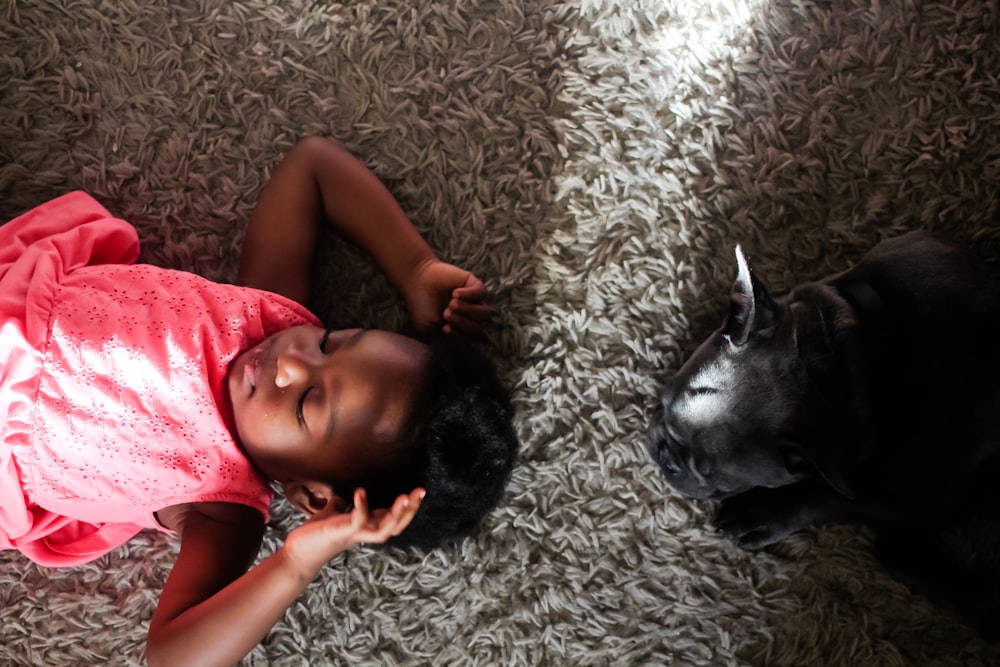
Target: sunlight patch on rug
pixel 649 114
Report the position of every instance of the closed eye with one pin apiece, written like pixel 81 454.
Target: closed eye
pixel 300 407
pixel 702 391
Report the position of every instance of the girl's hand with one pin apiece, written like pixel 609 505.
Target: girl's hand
pixel 336 528
pixel 444 295
pixel 212 611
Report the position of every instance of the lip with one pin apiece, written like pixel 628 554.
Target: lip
pixel 251 369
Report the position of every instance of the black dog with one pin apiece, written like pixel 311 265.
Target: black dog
pixel 872 395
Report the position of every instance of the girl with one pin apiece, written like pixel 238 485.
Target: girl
pixel 137 397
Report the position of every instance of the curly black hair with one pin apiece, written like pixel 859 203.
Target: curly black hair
pixel 463 450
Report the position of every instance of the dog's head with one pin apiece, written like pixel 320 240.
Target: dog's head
pixel 757 403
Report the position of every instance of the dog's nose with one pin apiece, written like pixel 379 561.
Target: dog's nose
pixel 668 464
pixel 656 442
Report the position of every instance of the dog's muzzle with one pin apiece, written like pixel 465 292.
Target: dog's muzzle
pixel 658 445
pixel 677 462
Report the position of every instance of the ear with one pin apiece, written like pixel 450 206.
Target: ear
pixel 751 307
pixel 797 459
pixel 835 478
pixel 310 497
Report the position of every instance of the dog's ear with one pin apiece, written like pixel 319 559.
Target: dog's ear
pixel 799 459
pixel 751 307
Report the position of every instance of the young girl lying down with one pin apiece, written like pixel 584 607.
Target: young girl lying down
pixel 137 397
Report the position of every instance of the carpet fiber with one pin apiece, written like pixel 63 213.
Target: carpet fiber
pixel 595 162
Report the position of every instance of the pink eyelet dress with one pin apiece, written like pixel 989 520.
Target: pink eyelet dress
pixel 113 397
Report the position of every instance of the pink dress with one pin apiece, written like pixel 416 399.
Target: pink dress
pixel 113 397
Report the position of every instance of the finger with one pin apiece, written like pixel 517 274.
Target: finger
pixel 381 526
pixel 463 326
pixel 409 511
pixel 392 521
pixel 473 290
pixel 400 507
pixel 360 515
pixel 470 310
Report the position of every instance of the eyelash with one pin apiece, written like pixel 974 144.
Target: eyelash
pixel 302 401
pixel 298 408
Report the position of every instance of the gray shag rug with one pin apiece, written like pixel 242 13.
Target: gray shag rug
pixel 595 162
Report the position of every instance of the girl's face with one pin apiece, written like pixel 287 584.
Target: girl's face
pixel 323 405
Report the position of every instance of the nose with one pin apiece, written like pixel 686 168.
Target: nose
pixel 656 442
pixel 292 368
pixel 661 445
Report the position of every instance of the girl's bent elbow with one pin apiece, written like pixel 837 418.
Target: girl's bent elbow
pixel 314 145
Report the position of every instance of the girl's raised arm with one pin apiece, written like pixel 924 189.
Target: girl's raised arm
pixel 211 613
pixel 319 182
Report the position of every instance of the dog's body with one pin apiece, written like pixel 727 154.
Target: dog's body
pixel 872 395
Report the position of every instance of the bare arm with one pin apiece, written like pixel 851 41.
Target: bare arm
pixel 212 613
pixel 318 182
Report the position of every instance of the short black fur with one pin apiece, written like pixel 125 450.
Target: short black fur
pixel 873 396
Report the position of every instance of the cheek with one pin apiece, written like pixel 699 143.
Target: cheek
pixel 258 427
pixel 355 421
pixel 766 470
